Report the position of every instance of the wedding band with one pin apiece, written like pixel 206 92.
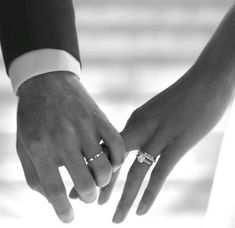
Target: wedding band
pixel 94 157
pixel 143 157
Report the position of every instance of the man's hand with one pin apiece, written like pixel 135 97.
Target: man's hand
pixel 168 126
pixel 58 124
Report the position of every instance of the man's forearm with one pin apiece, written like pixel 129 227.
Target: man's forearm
pixel 38 37
pixel 29 25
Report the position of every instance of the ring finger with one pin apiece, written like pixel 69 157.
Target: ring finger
pixel 133 183
pixel 98 163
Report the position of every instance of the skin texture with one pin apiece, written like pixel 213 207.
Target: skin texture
pixel 172 122
pixel 58 124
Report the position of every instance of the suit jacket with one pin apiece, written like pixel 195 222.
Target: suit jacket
pixel 27 25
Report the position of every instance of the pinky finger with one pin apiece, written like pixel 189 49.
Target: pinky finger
pixel 164 166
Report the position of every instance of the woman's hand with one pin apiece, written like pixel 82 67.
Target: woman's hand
pixel 173 121
pixel 168 126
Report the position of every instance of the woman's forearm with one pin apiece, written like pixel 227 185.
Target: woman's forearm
pixel 217 60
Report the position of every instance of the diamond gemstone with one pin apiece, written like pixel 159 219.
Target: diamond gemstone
pixel 141 158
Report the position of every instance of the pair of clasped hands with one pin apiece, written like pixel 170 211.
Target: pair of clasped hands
pixel 59 124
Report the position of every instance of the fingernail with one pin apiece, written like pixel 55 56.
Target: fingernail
pixel 68 217
pixel 142 209
pixel 62 208
pixel 73 194
pixel 89 197
pixel 118 216
pixel 115 169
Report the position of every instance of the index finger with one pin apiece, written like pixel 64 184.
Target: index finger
pixel 116 149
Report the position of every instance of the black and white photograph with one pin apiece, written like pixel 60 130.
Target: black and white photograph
pixel 117 113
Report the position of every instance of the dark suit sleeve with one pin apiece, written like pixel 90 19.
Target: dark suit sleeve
pixel 27 25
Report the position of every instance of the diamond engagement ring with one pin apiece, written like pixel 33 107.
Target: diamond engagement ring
pixel 145 157
pixel 94 157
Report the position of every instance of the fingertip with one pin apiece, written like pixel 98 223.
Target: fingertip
pixel 118 216
pixel 89 200
pixel 103 198
pixel 142 209
pixel 101 201
pixel 62 208
pixel 90 197
pixel 73 194
pixel 68 217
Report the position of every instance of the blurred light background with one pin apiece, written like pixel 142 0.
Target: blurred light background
pixel 131 50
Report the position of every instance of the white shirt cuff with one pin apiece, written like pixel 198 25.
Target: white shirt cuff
pixel 41 61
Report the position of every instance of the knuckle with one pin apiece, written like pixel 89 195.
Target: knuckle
pixel 159 175
pixel 33 185
pixel 125 202
pixel 135 113
pixel 34 131
pixel 38 150
pixel 37 144
pixel 68 129
pixel 64 131
pixel 85 114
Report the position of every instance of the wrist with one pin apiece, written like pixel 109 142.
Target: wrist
pixel 41 61
pixel 47 83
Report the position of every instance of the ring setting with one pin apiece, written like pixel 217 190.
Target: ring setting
pixel 91 159
pixel 143 157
